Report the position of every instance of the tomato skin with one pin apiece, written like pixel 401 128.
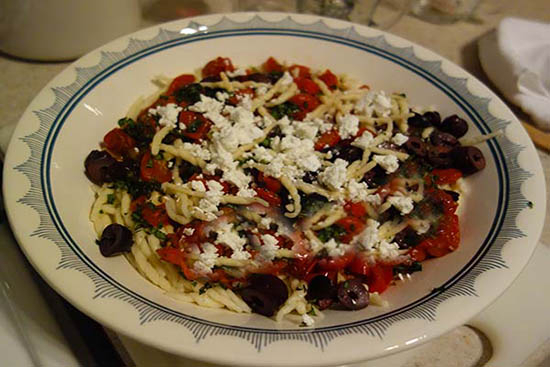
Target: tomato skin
pixel 188 118
pixel 446 176
pixel 234 99
pixel 272 66
pixel 299 71
pixel 327 140
pixel 154 169
pixel 216 66
pixel 274 267
pixel 380 278
pixel 268 196
pixel 302 266
pixel 328 264
pixel 306 103
pixel 271 183
pixel 180 82
pixel 307 85
pixel 418 253
pixel 177 257
pixel 329 79
pixel 360 266
pixel 155 216
pixel 355 209
pixel 352 225
pixel 118 142
pixel 181 240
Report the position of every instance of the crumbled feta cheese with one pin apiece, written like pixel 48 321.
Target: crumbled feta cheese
pixel 399 139
pixel 369 237
pixel 211 108
pixel 209 204
pixel 198 186
pixel 286 79
pixel 388 162
pixel 189 231
pixel 168 114
pixel 374 199
pixel 307 320
pixel 402 203
pixel 222 96
pixel 270 246
pixel 206 259
pixel 307 130
pixel 388 250
pixel 261 90
pixel 246 193
pixel 334 249
pixel 198 151
pixel 364 141
pixel 265 223
pixel 228 236
pixel 374 103
pixel 348 125
pixel 358 191
pixel 334 176
pixel 263 155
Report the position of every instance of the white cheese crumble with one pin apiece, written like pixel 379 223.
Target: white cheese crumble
pixel 307 320
pixel 168 114
pixel 189 231
pixel 399 139
pixel 364 141
pixel 358 191
pixel 269 247
pixel 402 203
pixel 198 186
pixel 334 176
pixel 388 162
pixel 230 238
pixel 348 125
pixel 374 199
pixel 237 72
pixel 286 79
pixel 209 204
pixel 198 151
pixel 206 259
pixel 373 245
pixel 334 249
pixel 222 96
pixel 265 222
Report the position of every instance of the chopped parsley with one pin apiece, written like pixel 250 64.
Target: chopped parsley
pixel 266 143
pixel 110 198
pixel 407 269
pixel 284 109
pixel 142 133
pixel 333 231
pixel 137 187
pixel 530 204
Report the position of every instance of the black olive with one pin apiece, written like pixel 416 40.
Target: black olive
pixel 468 159
pixel 455 125
pixel 433 117
pixel 125 169
pixel 211 79
pixel 416 146
pixel 353 295
pixel 310 176
pixel 186 170
pixel 407 238
pixel 375 177
pixel 439 138
pixel 115 239
pixel 417 120
pixel 319 288
pixel 440 157
pixel 255 77
pixel 259 301
pixel 98 166
pixel 274 76
pixel 455 195
pixel 348 153
pixel 270 285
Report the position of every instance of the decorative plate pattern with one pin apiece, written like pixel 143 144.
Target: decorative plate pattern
pixel 40 140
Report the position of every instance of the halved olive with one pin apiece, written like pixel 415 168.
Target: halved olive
pixel 259 301
pixel 441 139
pixel 115 239
pixel 271 285
pixel 320 288
pixel 98 166
pixel 416 146
pixel 455 125
pixel 353 295
pixel 468 159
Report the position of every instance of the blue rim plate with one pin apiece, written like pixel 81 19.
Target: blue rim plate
pixel 48 197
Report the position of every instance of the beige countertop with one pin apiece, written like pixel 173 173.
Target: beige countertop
pixel 21 80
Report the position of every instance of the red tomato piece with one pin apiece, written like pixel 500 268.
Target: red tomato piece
pixel 380 278
pixel 418 254
pixel 182 240
pixel 329 79
pixel 306 103
pixel 328 140
pixel 180 82
pixel 302 265
pixel 446 176
pixel 118 142
pixel 152 169
pixel 335 263
pixel 299 71
pixel 307 85
pixel 155 215
pixel 177 257
pixel 360 266
pixel 352 226
pixel 274 267
pixel 137 203
pixel 197 126
pixel 272 66
pixel 268 196
pixel 271 183
pixel 355 209
pixel 234 99
pixel 216 66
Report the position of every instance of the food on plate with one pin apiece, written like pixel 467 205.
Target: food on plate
pixel 278 189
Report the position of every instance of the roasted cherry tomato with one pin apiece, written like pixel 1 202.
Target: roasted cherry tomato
pixel 216 66
pixel 335 263
pixel 152 169
pixel 307 85
pixel 306 103
pixel 155 215
pixel 180 82
pixel 380 278
pixel 235 98
pixel 329 79
pixel 118 142
pixel 197 126
pixel 352 226
pixel 302 265
pixel 177 257
pixel 268 196
pixel 272 66
pixel 299 71
pixel 446 176
pixel 272 184
pixel 355 209
pixel 360 266
pixel 327 140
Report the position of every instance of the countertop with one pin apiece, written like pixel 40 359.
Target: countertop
pixel 21 80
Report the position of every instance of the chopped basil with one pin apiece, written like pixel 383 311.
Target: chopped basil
pixel 311 204
pixel 142 133
pixel 136 187
pixel 110 198
pixel 266 143
pixel 327 233
pixel 284 109
pixel 407 269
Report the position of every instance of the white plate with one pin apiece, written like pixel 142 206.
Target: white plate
pixel 48 197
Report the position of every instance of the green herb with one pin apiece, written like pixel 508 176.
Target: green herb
pixel 530 204
pixel 194 283
pixel 346 284
pixel 157 233
pixel 205 288
pixel 284 109
pixel 141 132
pixel 330 232
pixel 191 93
pixel 194 126
pixel 266 143
pixel 407 269
pixel 110 198
pixel 136 187
pixel 312 312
